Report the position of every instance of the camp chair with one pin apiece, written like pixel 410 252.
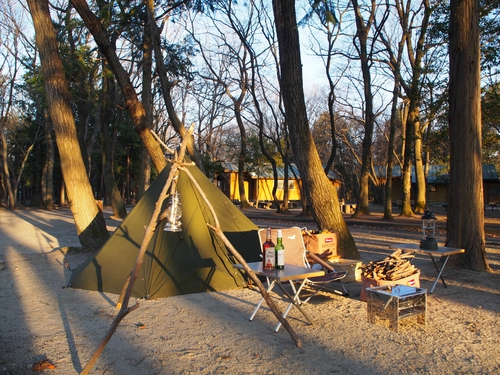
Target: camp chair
pixel 296 254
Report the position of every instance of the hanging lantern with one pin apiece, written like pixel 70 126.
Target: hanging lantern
pixel 174 213
pixel 429 229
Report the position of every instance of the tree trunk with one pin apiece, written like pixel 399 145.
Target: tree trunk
pixel 331 100
pixel 108 102
pixel 48 168
pixel 363 30
pixel 416 56
pixel 408 135
pixel 134 106
pixel 465 214
pixel 112 191
pixel 392 134
pixel 286 178
pixel 11 194
pixel 166 86
pixel 62 194
pixel 81 104
pixel 90 225
pixel 255 73
pixel 5 158
pixel 390 165
pixel 321 194
pixel 421 198
pixel 243 151
pixel 416 141
pixel 147 102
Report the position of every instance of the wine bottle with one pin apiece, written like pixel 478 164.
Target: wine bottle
pixel 280 252
pixel 268 251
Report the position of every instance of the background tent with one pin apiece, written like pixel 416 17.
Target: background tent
pixel 191 261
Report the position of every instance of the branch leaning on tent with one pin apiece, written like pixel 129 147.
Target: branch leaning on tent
pixel 130 281
pixel 157 216
pixel 218 231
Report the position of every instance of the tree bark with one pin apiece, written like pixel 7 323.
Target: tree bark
pixel 465 214
pixel 90 225
pixel 321 194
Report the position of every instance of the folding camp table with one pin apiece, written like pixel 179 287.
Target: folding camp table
pixel 441 251
pixel 277 277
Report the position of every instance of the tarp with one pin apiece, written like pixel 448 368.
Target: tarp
pixel 191 261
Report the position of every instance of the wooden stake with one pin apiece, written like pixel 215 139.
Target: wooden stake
pixel 218 231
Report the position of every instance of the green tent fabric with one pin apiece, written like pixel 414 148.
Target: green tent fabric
pixel 191 261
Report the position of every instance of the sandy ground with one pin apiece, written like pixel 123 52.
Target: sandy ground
pixel 210 333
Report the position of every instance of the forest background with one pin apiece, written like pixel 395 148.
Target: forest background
pixel 383 98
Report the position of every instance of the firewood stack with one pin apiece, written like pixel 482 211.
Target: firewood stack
pixel 395 267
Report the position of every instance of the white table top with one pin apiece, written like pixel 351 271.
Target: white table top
pixel 290 272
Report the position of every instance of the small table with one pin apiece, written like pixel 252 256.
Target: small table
pixel 395 302
pixel 277 277
pixel 441 251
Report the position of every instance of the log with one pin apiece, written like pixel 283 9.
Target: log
pixel 396 266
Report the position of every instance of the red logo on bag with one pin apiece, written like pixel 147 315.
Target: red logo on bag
pixel 329 239
pixel 411 282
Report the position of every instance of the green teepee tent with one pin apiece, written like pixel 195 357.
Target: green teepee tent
pixel 191 261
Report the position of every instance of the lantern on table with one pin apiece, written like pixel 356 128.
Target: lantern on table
pixel 429 229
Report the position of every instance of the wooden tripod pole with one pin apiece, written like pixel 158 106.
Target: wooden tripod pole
pixel 124 309
pixel 218 231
